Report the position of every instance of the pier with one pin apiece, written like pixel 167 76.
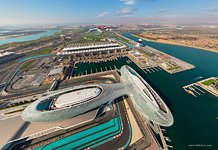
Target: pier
pixel 194 89
pixel 169 146
pixel 162 137
pixel 151 69
pixel 202 87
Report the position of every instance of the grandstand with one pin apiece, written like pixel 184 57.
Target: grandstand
pixel 91 48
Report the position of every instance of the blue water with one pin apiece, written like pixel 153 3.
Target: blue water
pixel 86 137
pixel 44 105
pixel 195 124
pixel 92 137
pixel 29 37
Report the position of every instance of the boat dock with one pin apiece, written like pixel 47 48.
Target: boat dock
pixel 163 138
pixel 203 86
pixel 151 69
pixel 194 89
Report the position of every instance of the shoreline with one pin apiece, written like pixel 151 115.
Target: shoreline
pixel 28 38
pixel 5 37
pixel 174 43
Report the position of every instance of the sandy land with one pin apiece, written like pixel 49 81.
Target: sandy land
pixel 175 43
pixel 136 132
pixel 8 128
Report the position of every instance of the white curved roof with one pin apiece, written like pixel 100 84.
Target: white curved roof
pixel 78 96
pixel 143 87
pixel 147 90
pixel 91 46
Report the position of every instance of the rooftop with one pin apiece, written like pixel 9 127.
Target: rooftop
pixel 77 96
pixel 6 53
pixel 147 90
pixel 88 46
pixel 55 71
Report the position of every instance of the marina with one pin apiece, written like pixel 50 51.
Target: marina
pixel 149 57
pixel 194 89
pixel 152 69
pixel 169 87
pixel 201 87
pixel 109 75
pixel 193 115
pixel 109 67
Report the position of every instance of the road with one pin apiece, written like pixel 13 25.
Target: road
pixel 26 92
pixel 125 137
pixel 121 141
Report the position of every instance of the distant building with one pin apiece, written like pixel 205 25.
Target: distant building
pixel 39 79
pixel 39 65
pixel 137 55
pixel 102 27
pixel 140 40
pixel 67 103
pixel 97 47
pixel 166 66
pixel 93 30
pixel 55 71
pixel 138 45
pixel 216 84
pixel 6 57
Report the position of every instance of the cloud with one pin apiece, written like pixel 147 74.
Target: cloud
pixel 129 2
pixel 126 12
pixel 129 10
pixel 103 14
pixel 213 9
pixel 162 10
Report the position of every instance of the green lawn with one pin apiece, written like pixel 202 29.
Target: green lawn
pixel 148 54
pixel 208 82
pixel 91 38
pixel 42 51
pixel 173 68
pixel 25 65
pixel 122 39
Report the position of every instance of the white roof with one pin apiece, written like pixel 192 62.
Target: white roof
pixel 6 53
pixel 91 46
pixel 142 86
pixel 56 71
pixel 90 50
pixel 77 96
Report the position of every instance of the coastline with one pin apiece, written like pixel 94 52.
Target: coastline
pixel 26 38
pixel 174 43
pixel 26 33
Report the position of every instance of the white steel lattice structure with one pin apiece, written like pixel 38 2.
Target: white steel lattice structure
pixel 71 102
pixel 97 47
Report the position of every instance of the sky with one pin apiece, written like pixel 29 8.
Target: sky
pixel 46 12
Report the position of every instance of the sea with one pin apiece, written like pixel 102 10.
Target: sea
pixel 29 37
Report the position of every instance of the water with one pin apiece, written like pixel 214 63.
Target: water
pixel 195 118
pixel 88 136
pixel 91 137
pixel 29 37
pixel 45 105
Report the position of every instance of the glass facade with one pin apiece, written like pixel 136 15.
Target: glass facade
pixel 142 102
